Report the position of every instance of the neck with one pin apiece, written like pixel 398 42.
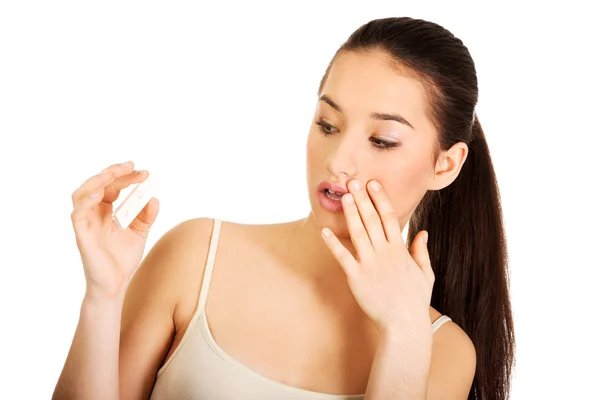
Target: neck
pixel 310 252
pixel 313 262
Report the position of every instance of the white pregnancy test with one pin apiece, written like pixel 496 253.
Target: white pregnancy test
pixel 135 202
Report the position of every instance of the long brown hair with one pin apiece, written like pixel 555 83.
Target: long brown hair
pixel 466 243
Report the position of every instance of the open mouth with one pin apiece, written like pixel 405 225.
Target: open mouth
pixel 333 195
pixel 329 195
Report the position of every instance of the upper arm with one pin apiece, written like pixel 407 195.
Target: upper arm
pixel 453 364
pixel 147 325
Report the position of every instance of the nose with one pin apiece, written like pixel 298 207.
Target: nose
pixel 343 158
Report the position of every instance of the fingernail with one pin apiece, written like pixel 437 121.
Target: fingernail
pixel 356 185
pixel 125 164
pixel 375 186
pixel 326 232
pixel 425 237
pixel 348 198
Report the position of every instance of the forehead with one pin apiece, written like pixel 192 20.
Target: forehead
pixel 368 82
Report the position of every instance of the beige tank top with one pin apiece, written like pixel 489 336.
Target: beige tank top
pixel 199 369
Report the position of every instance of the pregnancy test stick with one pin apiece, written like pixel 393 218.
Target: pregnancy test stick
pixel 135 202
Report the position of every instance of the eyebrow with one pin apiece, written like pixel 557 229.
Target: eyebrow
pixel 379 116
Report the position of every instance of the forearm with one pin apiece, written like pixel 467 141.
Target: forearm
pixel 400 369
pixel 91 370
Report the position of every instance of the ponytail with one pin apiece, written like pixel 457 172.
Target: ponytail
pixel 468 254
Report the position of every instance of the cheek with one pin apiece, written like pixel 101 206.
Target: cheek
pixel 405 184
pixel 416 177
pixel 315 151
pixel 310 144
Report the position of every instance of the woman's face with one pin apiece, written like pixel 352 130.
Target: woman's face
pixel 370 123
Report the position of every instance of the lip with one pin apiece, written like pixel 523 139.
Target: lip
pixel 328 204
pixel 332 187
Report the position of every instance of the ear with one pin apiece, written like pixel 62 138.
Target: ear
pixel 448 166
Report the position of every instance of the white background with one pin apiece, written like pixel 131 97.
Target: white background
pixel 216 99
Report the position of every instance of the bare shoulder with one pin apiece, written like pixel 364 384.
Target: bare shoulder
pixel 186 246
pixel 176 252
pixel 153 302
pixel 453 362
pixel 184 251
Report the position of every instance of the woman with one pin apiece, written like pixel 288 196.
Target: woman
pixel 333 306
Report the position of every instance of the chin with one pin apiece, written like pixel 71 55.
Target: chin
pixel 334 221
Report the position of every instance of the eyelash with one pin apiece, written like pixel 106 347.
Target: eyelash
pixel 377 143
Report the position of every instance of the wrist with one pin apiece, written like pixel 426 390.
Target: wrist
pixel 106 293
pixel 417 329
pixel 415 322
pixel 99 299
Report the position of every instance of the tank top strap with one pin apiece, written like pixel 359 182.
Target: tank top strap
pixel 210 263
pixel 439 322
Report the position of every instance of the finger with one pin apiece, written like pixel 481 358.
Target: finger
pixel 387 215
pixel 368 214
pixel 101 180
pixel 112 191
pixel 420 253
pixel 358 233
pixel 83 206
pixel 340 253
pixel 91 186
pixel 146 218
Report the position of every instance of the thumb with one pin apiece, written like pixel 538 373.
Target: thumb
pixel 144 220
pixel 420 253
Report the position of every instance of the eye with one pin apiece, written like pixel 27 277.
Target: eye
pixel 380 144
pixel 383 144
pixel 325 128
